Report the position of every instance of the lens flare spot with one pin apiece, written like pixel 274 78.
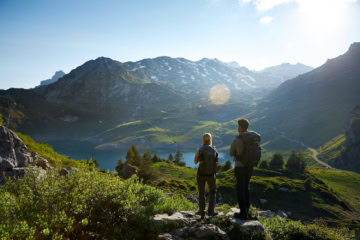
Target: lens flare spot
pixel 219 94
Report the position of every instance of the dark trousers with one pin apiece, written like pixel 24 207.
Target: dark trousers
pixel 211 181
pixel 243 175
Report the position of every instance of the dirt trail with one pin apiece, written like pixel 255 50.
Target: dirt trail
pixel 314 152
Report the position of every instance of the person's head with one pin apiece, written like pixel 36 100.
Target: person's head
pixel 207 139
pixel 243 125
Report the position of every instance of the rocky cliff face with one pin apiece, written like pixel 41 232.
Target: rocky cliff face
pixel 350 158
pixel 13 152
pixel 14 155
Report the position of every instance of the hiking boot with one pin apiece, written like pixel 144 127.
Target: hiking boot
pixel 202 214
pixel 241 216
pixel 213 214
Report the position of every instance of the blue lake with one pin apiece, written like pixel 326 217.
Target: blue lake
pixel 109 159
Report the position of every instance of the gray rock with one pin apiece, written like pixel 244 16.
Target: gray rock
pixel 232 212
pixel 284 189
pixel 185 217
pixel 13 152
pixel 127 171
pixel 165 236
pixel 263 201
pixel 168 194
pixel 67 170
pixel 20 172
pixel 282 214
pixel 43 163
pixel 193 198
pixel 288 213
pixel 209 231
pixel 248 225
pixel 266 213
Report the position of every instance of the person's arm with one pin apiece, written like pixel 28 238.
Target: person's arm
pixel 232 148
pixel 196 158
pixel 236 147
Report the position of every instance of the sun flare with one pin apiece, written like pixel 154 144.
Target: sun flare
pixel 219 94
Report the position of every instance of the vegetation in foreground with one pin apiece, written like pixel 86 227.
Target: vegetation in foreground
pixel 82 205
pixel 90 204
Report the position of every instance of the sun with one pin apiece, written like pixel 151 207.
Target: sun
pixel 324 16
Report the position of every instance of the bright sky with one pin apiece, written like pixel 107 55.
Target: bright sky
pixel 41 36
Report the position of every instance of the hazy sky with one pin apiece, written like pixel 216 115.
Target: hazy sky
pixel 39 37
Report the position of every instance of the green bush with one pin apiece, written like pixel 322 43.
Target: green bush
pixel 295 230
pixel 1 120
pixel 81 205
pixel 277 161
pixel 296 162
pixel 227 166
pixel 264 164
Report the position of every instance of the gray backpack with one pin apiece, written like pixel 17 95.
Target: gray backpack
pixel 208 157
pixel 251 154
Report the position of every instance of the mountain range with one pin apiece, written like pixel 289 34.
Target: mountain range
pixel 314 107
pixel 164 102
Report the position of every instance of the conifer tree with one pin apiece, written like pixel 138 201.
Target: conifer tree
pixel 178 156
pixel 171 157
pixel 296 162
pixel 277 161
pixel 119 165
pixel 146 170
pixel 227 166
pixel 156 158
pixel 133 156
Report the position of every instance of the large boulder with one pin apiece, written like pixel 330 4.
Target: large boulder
pixel 13 152
pixel 178 219
pixel 198 231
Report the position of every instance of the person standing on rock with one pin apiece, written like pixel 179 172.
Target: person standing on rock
pixel 207 156
pixel 246 151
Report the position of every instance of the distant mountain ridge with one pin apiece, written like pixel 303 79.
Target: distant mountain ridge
pixel 287 70
pixel 314 107
pixel 57 75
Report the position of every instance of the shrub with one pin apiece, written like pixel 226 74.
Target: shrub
pixel 133 156
pixel 119 165
pixel 296 162
pixel 82 205
pixel 147 171
pixel 156 158
pixel 294 230
pixel 227 166
pixel 264 164
pixel 277 161
pixel 219 167
pixel 1 120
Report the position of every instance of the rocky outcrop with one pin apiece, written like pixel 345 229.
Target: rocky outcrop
pixel 13 152
pixel 349 159
pixel 199 231
pixel 187 225
pixel 15 158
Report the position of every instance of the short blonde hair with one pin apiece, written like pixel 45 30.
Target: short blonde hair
pixel 207 138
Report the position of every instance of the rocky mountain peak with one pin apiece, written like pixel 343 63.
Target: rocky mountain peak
pixel 57 75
